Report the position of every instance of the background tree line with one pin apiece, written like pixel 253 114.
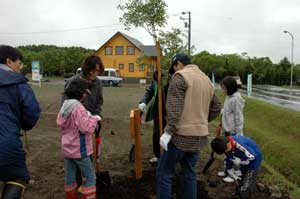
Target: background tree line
pixel 58 61
pixel 54 60
pixel 264 71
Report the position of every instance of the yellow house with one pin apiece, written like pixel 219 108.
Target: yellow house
pixel 130 56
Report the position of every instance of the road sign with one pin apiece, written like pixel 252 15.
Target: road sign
pixel 249 85
pixel 213 79
pixel 35 68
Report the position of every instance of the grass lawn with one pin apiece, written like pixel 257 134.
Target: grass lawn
pixel 50 78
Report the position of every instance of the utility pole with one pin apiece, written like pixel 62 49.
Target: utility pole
pixel 292 57
pixel 189 30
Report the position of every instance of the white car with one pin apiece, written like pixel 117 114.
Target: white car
pixel 238 81
pixel 110 76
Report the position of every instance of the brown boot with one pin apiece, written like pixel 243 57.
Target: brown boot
pixel 71 191
pixel 89 192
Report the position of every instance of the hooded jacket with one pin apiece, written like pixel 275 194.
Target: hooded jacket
pixel 247 151
pixel 233 117
pixel 19 109
pixel 77 128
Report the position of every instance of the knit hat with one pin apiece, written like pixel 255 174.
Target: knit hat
pixel 219 144
pixel 77 88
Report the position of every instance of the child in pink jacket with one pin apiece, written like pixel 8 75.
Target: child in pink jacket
pixel 77 128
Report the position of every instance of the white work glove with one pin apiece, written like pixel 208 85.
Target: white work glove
pixel 98 117
pixel 236 161
pixel 232 175
pixel 142 106
pixel 222 111
pixel 89 113
pixel 164 140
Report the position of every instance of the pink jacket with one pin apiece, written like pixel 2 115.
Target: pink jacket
pixel 77 129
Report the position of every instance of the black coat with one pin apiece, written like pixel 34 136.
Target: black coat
pixel 152 112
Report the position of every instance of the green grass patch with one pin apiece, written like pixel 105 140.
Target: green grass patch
pixel 48 78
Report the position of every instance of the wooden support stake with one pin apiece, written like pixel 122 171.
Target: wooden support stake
pixel 160 119
pixel 132 126
pixel 135 129
pixel 138 144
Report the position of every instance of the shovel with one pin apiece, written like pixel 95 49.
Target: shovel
pixel 212 158
pixel 103 179
pixel 209 163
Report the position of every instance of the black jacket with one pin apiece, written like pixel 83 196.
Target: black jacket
pixel 152 111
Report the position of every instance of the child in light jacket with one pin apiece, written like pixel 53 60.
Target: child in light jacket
pixel 232 119
pixel 77 127
pixel 232 116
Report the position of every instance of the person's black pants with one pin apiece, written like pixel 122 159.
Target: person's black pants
pixel 156 136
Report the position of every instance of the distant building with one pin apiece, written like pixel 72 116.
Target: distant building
pixel 130 56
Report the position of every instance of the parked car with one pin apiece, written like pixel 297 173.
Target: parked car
pixel 238 81
pixel 110 76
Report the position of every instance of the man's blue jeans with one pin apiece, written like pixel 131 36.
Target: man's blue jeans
pixel 166 171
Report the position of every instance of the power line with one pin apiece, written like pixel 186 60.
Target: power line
pixel 58 31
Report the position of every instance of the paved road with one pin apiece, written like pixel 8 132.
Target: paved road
pixel 276 95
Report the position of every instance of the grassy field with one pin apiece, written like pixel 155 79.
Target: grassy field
pixel 277 131
pixel 51 78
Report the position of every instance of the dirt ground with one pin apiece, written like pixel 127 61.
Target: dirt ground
pixel 46 163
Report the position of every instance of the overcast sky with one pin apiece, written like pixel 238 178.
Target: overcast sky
pixel 218 26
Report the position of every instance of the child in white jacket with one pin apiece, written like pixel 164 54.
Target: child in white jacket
pixel 232 118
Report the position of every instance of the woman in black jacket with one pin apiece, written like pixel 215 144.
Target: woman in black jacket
pixel 151 96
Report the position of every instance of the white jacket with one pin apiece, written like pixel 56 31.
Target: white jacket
pixel 233 117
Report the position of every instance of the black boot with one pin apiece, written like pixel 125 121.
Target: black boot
pixel 12 190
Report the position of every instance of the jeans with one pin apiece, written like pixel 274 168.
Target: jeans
pixel 86 168
pixel 166 171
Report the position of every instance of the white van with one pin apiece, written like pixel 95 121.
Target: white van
pixel 238 81
pixel 110 76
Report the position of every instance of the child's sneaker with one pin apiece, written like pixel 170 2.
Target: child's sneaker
pixel 221 173
pixel 153 160
pixel 238 173
pixel 228 179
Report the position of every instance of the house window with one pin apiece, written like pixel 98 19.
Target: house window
pixel 141 67
pixel 131 67
pixel 108 50
pixel 130 50
pixel 121 66
pixel 119 50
